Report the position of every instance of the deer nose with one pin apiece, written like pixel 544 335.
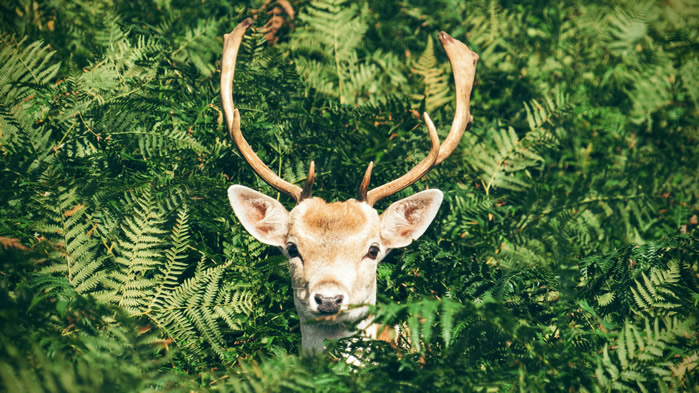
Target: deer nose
pixel 328 304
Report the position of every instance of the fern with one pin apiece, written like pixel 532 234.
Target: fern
pixel 541 116
pixel 67 222
pixel 328 56
pixel 174 260
pixel 655 292
pixel 563 257
pixel 491 31
pixel 652 91
pixel 24 68
pixel 148 276
pixel 279 372
pixel 644 358
pixel 500 163
pixel 627 30
pixel 334 34
pixel 158 140
pixel 508 154
pixel 194 307
pixel 436 92
pixel 419 322
pixel 80 345
pixel 690 80
pixel 138 254
pixel 185 310
pixel 197 46
pixel 605 299
pixel 470 210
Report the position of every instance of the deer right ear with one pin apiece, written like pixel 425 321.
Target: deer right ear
pixel 407 219
pixel 263 217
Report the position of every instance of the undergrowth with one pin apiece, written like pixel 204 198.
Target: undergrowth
pixel 564 257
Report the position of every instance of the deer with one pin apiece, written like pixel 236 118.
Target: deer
pixel 333 248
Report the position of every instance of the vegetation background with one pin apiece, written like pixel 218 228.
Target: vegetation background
pixel 564 257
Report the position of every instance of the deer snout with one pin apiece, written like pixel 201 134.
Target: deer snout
pixel 328 304
pixel 328 297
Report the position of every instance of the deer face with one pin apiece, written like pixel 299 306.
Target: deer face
pixel 334 248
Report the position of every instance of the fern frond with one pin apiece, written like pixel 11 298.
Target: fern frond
pixel 68 223
pixel 656 292
pixel 643 354
pixel 138 253
pixel 626 29
pixel 197 45
pixel 22 67
pixel 436 91
pixel 500 163
pixel 605 299
pixel 491 31
pixel 174 259
pixel 194 308
pixel 541 115
pixel 159 141
pixel 327 54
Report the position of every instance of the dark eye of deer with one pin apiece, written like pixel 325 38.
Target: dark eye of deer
pixel 373 252
pixel 292 250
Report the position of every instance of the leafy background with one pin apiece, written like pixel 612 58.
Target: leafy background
pixel 564 257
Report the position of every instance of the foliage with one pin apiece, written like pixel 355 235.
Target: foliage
pixel 329 55
pixel 564 257
pixel 436 91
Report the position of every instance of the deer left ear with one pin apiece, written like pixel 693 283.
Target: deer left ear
pixel 263 217
pixel 407 219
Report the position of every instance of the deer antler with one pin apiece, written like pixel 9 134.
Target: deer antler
pixel 463 64
pixel 231 44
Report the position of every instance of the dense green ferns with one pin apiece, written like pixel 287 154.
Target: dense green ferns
pixel 564 256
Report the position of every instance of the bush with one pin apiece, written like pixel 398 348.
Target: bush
pixel 563 259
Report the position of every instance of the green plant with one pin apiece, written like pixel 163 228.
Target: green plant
pixel 563 257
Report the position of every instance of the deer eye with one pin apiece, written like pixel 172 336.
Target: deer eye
pixel 373 252
pixel 292 250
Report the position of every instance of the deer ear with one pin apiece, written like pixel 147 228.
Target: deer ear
pixel 407 219
pixel 263 217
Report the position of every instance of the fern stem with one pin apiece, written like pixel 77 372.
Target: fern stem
pixel 64 137
pixel 88 127
pixel 188 42
pixel 337 67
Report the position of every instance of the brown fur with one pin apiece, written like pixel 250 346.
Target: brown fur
pixel 337 217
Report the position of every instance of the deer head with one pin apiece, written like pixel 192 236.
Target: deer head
pixel 334 248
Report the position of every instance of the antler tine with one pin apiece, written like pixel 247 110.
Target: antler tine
pixel 310 178
pixel 463 64
pixel 364 186
pixel 231 44
pixel 409 178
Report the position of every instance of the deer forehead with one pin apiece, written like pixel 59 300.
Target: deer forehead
pixel 348 223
